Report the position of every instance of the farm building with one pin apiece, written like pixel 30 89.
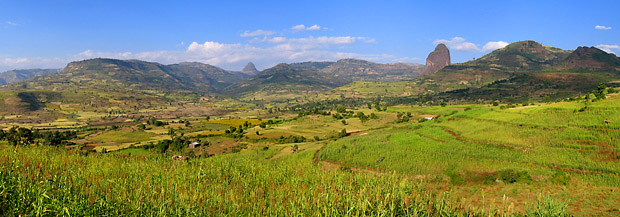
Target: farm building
pixel 194 145
pixel 428 117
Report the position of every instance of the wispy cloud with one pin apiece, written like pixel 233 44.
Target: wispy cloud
pixel 458 43
pixel 302 27
pixel 461 44
pixel 602 27
pixel 12 23
pixel 494 45
pixel 270 51
pixel 258 32
pixel 608 47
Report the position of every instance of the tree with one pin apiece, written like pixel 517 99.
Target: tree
pixel 19 136
pixel 600 91
pixel 341 109
pixel 171 132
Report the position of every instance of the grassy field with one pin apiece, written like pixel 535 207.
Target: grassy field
pixel 540 160
pixel 465 146
pixel 57 182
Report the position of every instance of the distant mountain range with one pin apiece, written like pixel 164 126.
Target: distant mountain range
pixel 104 74
pixel 18 75
pixel 517 72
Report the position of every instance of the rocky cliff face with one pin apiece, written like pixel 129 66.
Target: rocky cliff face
pixel 437 59
pixel 250 69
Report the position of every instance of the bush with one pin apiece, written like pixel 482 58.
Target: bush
pixel 454 176
pixel 512 176
pixel 560 177
pixel 489 180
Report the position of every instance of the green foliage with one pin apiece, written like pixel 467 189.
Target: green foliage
pixel 561 178
pixel 512 176
pixel 341 109
pixel 546 206
pixel 489 180
pixel 119 185
pixel 455 178
pixel 600 91
pixel 343 133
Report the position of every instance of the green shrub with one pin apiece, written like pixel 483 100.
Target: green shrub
pixel 512 176
pixel 560 177
pixel 455 178
pixel 489 180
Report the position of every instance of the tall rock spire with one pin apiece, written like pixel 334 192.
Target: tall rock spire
pixel 437 59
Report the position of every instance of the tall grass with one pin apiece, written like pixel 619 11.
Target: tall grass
pixel 43 181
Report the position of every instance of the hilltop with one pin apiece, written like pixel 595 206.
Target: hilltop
pixel 590 58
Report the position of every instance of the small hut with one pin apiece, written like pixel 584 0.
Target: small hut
pixel 194 145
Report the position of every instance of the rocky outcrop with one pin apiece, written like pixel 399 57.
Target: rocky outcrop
pixel 437 59
pixel 250 69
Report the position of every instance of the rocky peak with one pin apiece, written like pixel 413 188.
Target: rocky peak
pixel 250 69
pixel 437 59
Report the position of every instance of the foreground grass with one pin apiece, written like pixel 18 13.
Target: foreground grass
pixel 43 181
pixel 47 181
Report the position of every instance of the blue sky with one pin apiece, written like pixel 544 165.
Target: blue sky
pixel 231 33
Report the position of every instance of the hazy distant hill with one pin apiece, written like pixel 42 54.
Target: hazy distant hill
pixel 200 72
pixel 18 75
pixel 362 70
pixel 312 65
pixel 284 79
pixel 249 69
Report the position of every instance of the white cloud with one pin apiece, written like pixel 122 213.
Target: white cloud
pixel 602 27
pixel 461 44
pixel 299 27
pixel 258 32
pixel 302 27
pixel 264 52
pixel 8 63
pixel 494 45
pixel 608 47
pixel 12 23
pixel 458 43
pixel 277 40
pixel 314 27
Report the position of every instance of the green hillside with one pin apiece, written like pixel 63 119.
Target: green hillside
pixel 518 57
